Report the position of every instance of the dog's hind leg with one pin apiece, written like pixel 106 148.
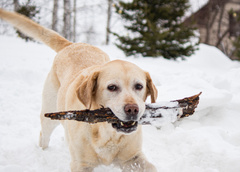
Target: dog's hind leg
pixel 49 104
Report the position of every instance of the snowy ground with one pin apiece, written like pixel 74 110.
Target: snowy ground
pixel 208 141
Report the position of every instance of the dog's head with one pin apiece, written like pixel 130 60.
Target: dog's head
pixel 121 86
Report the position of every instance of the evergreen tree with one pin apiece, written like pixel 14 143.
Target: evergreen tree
pixel 30 11
pixel 156 27
pixel 236 45
pixel 235 33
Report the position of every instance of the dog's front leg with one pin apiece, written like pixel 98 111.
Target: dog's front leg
pixel 83 157
pixel 138 164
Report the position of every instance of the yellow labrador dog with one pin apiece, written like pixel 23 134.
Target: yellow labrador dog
pixel 83 77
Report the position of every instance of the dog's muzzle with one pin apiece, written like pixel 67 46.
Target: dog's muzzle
pixel 130 124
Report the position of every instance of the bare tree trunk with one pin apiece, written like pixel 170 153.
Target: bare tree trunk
pixel 231 54
pixel 221 38
pixel 67 20
pixel 74 19
pixel 54 15
pixel 220 21
pixel 109 15
pixel 16 5
pixel 207 27
pixel 210 22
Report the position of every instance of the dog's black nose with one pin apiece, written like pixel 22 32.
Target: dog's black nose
pixel 131 110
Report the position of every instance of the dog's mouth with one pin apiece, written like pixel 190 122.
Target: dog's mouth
pixel 125 127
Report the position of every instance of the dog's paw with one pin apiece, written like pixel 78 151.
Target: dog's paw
pixel 43 142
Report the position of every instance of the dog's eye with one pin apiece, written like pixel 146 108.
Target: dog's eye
pixel 138 87
pixel 112 88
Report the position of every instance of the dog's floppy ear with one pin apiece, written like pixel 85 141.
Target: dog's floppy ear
pixel 151 89
pixel 87 89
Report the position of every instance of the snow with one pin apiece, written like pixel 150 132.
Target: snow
pixel 167 116
pixel 158 116
pixel 208 141
pixel 196 5
pixel 170 104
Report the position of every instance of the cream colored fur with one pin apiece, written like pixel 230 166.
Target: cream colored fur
pixel 78 80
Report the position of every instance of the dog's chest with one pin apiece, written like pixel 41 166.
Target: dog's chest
pixel 107 148
pixel 106 143
pixel 108 152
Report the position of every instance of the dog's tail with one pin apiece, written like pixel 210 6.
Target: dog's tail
pixel 34 30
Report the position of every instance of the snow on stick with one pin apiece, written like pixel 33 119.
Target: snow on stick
pixel 155 114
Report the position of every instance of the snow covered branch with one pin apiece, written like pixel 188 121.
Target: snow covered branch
pixel 155 113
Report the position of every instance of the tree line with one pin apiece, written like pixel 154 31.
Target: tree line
pixel 151 28
pixel 71 18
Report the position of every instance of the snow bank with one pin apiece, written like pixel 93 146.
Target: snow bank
pixel 208 141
